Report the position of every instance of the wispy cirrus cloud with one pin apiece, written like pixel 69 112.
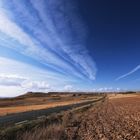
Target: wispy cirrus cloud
pixel 129 73
pixel 50 32
pixel 19 70
pixel 17 78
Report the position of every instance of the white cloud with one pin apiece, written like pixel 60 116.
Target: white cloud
pixel 68 87
pixel 11 80
pixel 51 33
pixel 60 46
pixel 14 67
pixel 12 30
pixel 23 82
pixel 36 85
pixel 129 73
pixel 18 78
pixel 106 89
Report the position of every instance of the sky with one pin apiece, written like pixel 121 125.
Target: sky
pixel 69 45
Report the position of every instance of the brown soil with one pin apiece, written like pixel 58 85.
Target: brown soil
pixel 27 102
pixel 115 119
pixel 112 119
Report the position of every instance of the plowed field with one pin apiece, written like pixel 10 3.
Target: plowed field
pixel 115 119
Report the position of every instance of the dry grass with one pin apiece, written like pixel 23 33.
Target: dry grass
pixel 51 132
pixel 112 96
pixel 56 129
pixel 113 119
pixel 28 103
pixel 52 127
pixel 17 109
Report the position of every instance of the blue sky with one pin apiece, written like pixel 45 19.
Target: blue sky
pixel 68 46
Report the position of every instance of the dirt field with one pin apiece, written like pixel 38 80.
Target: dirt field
pixel 112 96
pixel 116 119
pixel 41 101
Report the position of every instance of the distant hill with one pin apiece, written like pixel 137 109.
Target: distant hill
pixel 32 94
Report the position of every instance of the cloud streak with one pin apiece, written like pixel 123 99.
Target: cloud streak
pixel 23 82
pixel 36 85
pixel 50 32
pixel 11 80
pixel 17 78
pixel 129 73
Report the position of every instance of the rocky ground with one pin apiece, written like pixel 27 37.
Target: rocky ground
pixel 115 119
